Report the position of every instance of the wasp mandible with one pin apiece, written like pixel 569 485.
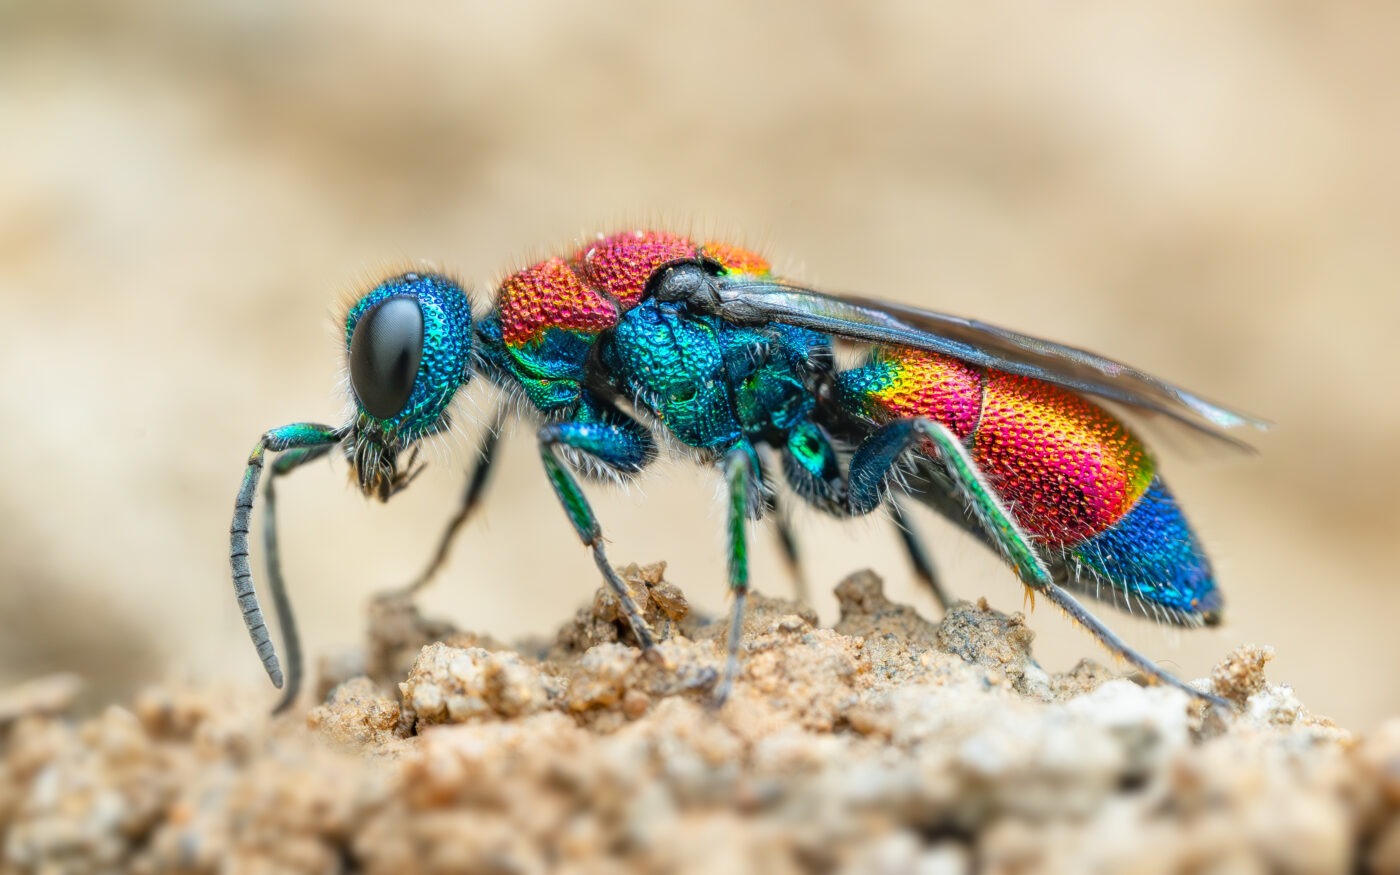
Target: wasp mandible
pixel 644 333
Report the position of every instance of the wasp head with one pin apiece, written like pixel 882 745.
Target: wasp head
pixel 374 460
pixel 408 342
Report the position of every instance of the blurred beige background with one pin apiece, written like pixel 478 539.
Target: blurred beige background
pixel 1209 192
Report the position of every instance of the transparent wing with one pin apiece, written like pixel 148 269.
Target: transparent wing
pixel 871 321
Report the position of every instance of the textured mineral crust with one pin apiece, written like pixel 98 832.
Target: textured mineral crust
pixel 884 744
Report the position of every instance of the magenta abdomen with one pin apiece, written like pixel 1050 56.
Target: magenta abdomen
pixel 1065 467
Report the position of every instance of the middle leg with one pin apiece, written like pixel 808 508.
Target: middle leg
pixel 814 471
pixel 918 554
pixel 787 542
pixel 913 546
pixel 742 502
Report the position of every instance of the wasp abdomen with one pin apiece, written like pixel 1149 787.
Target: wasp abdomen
pixel 1066 467
pixel 1152 554
pixel 898 382
pixel 1070 473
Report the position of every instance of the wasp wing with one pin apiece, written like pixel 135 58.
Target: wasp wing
pixel 871 321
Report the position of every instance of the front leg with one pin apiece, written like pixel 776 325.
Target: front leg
pixel 621 445
pixel 471 499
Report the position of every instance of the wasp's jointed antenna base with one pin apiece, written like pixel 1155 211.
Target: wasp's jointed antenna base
pixel 276 583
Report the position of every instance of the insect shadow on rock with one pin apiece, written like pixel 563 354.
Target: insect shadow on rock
pixel 645 333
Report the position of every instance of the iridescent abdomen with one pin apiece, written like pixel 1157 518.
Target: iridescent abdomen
pixel 1071 474
pixel 898 383
pixel 1067 469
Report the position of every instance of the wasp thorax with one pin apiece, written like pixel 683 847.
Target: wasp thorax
pixel 684 281
pixel 385 352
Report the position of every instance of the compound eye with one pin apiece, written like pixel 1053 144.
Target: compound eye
pixel 385 351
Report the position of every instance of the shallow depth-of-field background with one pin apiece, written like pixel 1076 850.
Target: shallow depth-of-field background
pixel 187 189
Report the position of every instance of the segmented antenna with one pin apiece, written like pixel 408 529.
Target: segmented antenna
pixel 243 574
pixel 305 442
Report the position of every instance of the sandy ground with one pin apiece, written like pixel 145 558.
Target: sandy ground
pixel 885 744
pixel 1208 192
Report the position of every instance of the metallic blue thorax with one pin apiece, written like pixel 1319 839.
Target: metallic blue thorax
pixel 710 383
pixel 551 375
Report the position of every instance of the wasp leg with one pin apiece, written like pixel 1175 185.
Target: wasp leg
pixel 625 448
pixel 471 499
pixel 1062 599
pixel 301 443
pixel 918 554
pixel 741 483
pixel 875 459
pixel 787 541
pixel 870 467
pixel 913 545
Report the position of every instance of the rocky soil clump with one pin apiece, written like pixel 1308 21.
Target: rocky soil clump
pixel 886 743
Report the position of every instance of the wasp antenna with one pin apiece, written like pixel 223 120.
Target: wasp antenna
pixel 277 585
pixel 243 588
pixel 299 443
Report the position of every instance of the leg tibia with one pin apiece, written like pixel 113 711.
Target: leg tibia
pixel 621 446
pixel 874 463
pixel 741 479
pixel 918 554
pixel 471 499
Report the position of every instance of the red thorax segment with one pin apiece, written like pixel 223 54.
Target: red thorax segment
pixel 590 290
pixel 550 295
pixel 621 264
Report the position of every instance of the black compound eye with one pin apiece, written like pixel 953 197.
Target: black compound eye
pixel 385 351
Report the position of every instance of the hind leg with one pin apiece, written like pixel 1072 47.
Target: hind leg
pixel 871 470
pixel 874 465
